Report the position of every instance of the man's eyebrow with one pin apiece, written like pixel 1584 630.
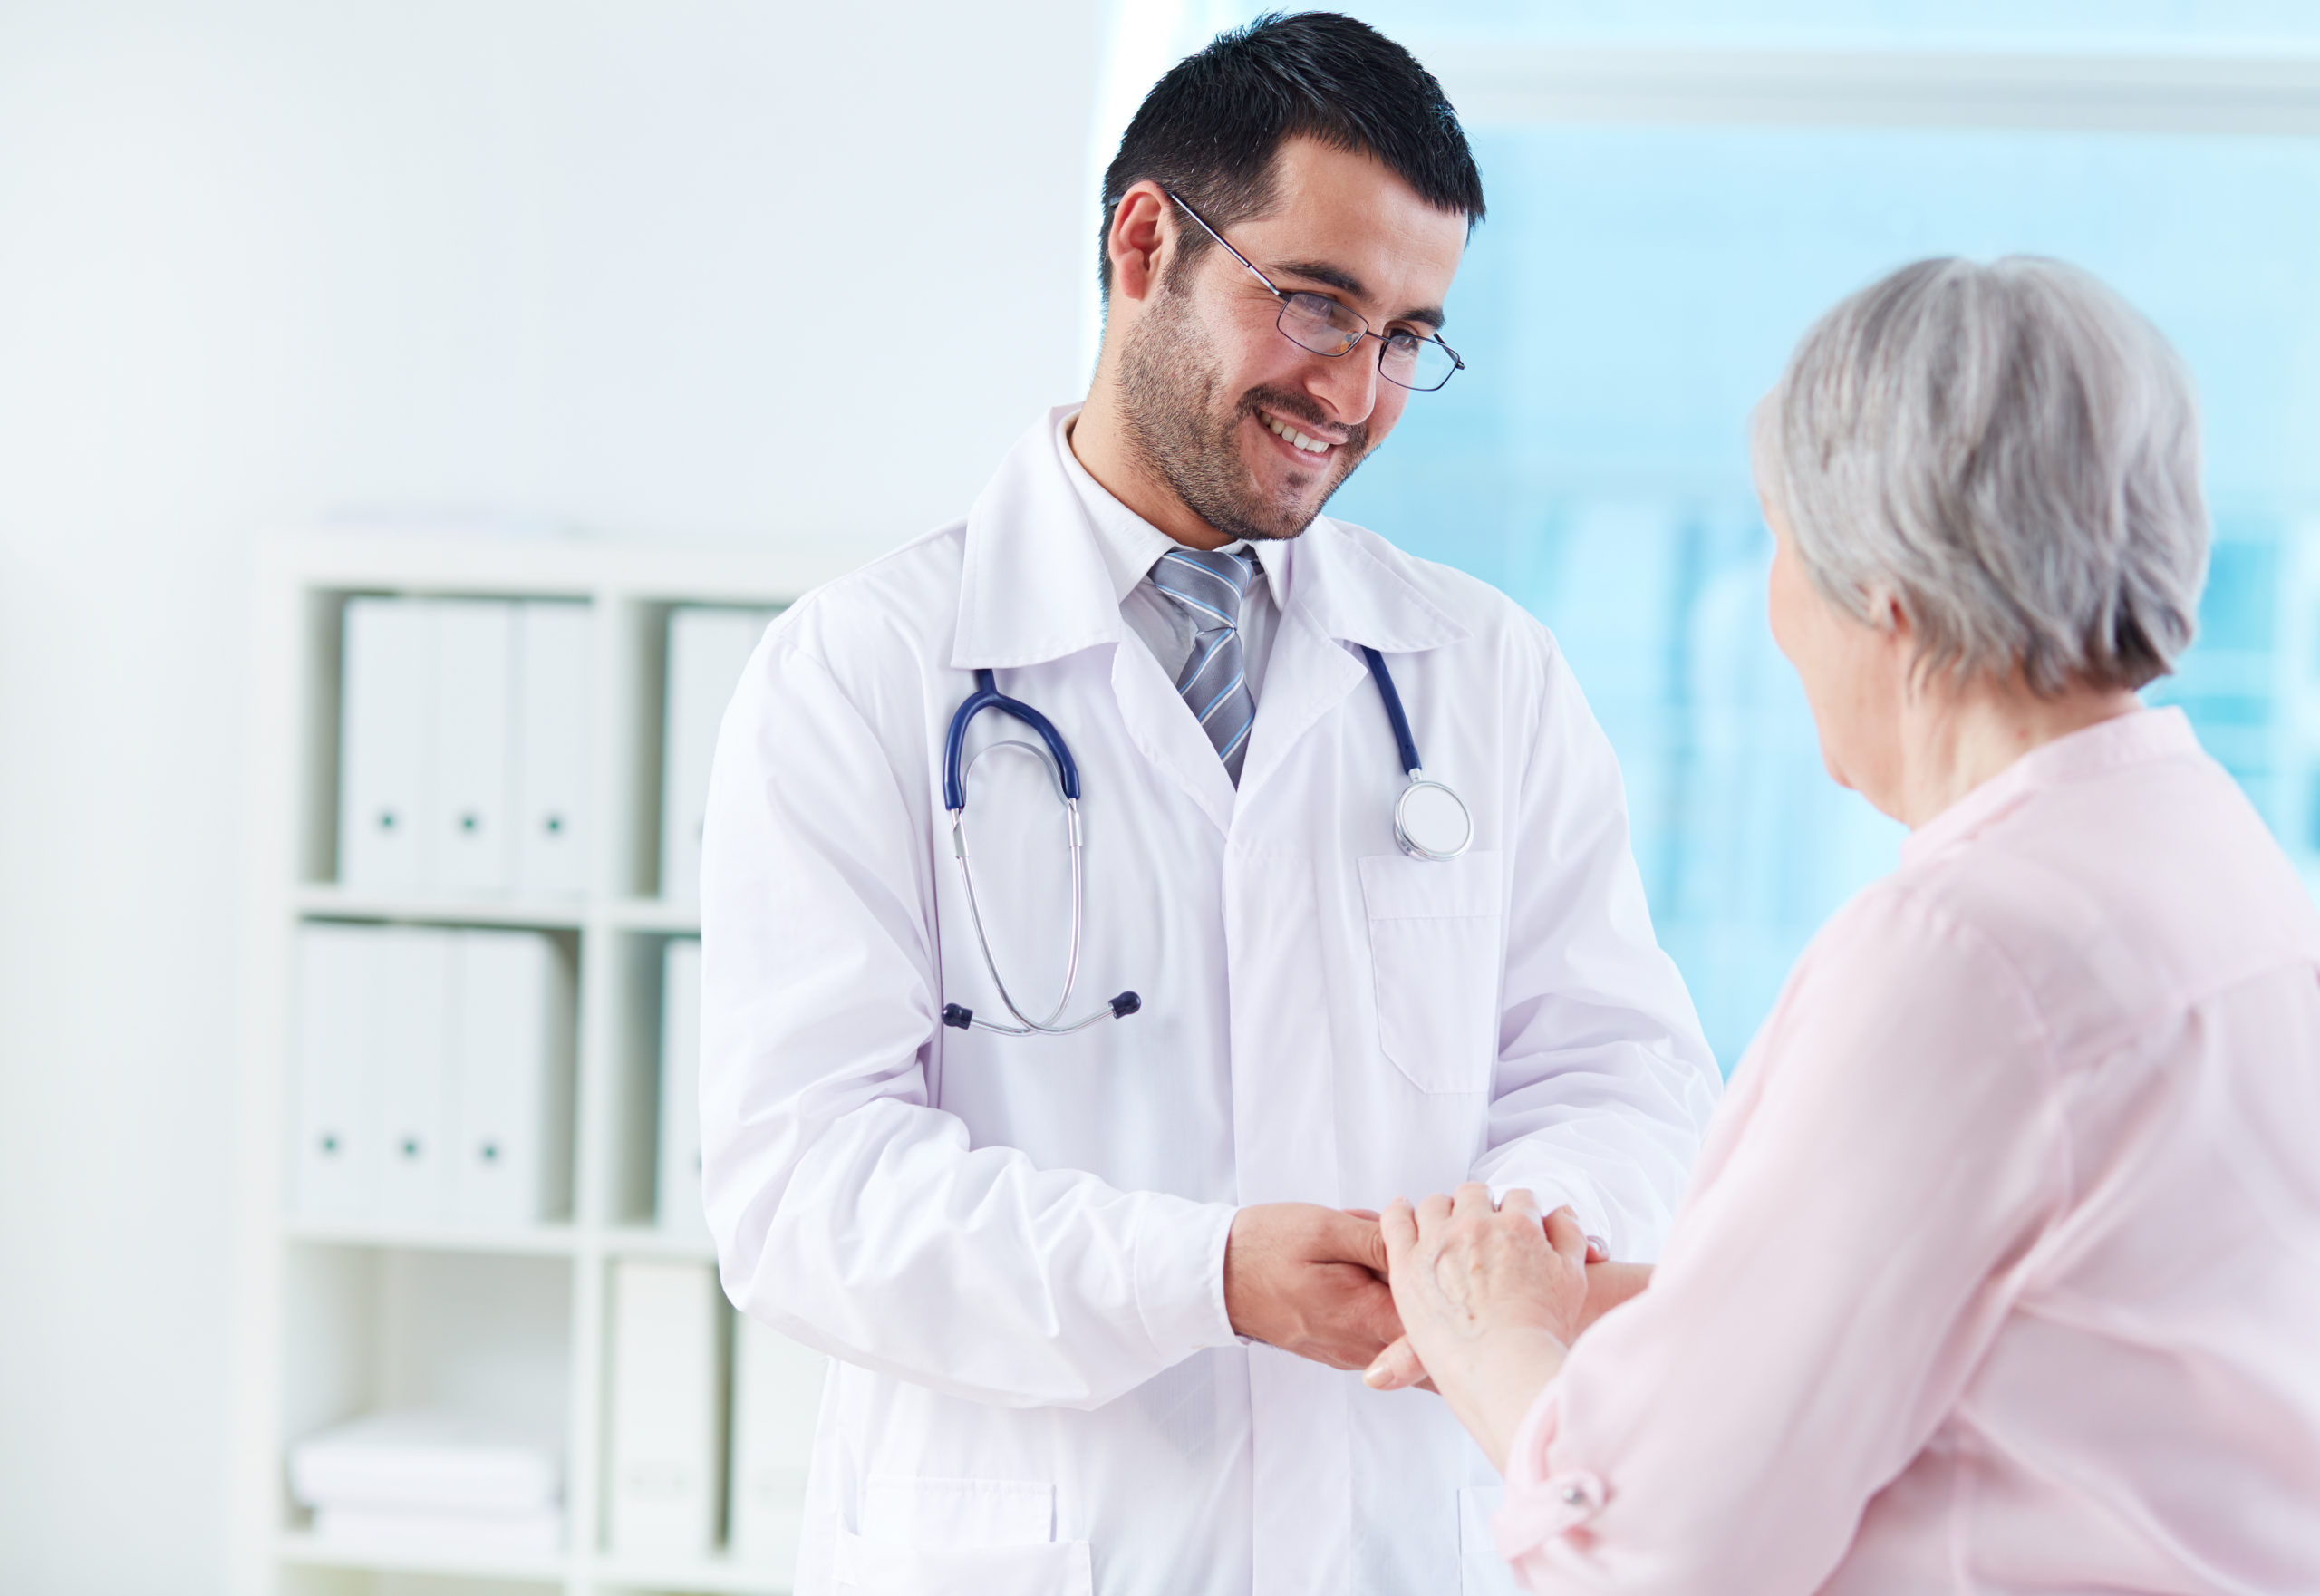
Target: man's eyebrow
pixel 1338 277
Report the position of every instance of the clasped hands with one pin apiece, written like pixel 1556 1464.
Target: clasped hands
pixel 1453 1293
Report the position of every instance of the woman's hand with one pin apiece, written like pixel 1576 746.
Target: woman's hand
pixel 1608 1284
pixel 1489 1298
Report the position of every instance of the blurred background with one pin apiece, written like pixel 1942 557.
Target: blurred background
pixel 512 284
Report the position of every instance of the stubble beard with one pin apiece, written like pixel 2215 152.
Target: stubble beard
pixel 1185 436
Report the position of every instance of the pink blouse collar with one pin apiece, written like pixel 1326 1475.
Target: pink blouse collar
pixel 2132 739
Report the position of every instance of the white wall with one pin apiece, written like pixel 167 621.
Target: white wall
pixel 693 271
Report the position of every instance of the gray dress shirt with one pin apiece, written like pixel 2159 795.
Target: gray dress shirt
pixel 1130 545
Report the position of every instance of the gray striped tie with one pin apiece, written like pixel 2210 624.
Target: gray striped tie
pixel 1209 583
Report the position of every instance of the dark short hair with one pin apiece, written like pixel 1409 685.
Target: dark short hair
pixel 1208 131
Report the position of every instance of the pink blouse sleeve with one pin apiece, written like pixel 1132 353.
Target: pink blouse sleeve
pixel 1835 1277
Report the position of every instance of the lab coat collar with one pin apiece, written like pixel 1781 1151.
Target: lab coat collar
pixel 1035 586
pixel 1355 588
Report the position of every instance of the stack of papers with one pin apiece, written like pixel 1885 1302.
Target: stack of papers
pixel 433 1481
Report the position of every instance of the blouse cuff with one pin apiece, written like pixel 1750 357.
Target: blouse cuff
pixel 1541 1505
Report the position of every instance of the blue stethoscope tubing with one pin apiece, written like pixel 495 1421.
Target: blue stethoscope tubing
pixel 1430 822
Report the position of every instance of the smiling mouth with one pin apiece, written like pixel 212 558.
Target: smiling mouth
pixel 1289 433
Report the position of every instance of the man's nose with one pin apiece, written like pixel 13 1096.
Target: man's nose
pixel 1346 384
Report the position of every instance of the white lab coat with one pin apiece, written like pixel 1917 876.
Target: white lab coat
pixel 1014 1247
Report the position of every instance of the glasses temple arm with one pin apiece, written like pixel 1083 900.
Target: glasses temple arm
pixel 1235 253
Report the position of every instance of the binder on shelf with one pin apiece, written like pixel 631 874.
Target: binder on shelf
pixel 334 1157
pixel 667 1437
pixel 708 649
pixel 677 1193
pixel 513 1070
pixel 408 1019
pixel 777 1402
pixel 553 680
pixel 473 844
pixel 385 748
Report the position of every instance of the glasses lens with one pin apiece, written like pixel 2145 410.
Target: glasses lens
pixel 1422 363
pixel 1321 325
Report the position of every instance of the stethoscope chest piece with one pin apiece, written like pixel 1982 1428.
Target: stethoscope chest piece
pixel 1431 822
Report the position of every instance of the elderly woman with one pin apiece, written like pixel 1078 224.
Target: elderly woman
pixel 2000 1271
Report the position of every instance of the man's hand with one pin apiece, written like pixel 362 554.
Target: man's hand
pixel 1310 1281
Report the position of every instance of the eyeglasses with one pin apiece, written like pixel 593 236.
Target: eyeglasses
pixel 1314 321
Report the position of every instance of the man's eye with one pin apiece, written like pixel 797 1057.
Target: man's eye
pixel 1403 343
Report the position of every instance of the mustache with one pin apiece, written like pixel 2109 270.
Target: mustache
pixel 1296 407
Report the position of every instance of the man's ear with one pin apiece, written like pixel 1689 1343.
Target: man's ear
pixel 1141 241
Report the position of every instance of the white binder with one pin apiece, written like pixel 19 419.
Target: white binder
pixel 677 1197
pixel 554 660
pixel 386 703
pixel 777 1400
pixel 335 1154
pixel 708 649
pixel 409 1019
pixel 473 841
pixel 512 1070
pixel 667 1409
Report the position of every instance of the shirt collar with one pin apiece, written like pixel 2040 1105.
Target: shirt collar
pixel 1131 545
pixel 2136 738
pixel 1035 584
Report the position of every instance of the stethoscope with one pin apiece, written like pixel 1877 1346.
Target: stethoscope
pixel 1430 822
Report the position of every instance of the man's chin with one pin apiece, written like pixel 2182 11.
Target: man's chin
pixel 1295 508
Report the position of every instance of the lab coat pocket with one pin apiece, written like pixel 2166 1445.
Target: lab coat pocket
pixel 1482 1572
pixel 936 1537
pixel 1435 956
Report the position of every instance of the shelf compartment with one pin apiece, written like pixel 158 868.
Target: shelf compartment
pixel 382 1329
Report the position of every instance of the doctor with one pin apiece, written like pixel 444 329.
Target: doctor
pixel 1092 1294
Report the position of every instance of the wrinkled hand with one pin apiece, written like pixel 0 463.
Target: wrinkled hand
pixel 1490 1298
pixel 1310 1281
pixel 1608 1284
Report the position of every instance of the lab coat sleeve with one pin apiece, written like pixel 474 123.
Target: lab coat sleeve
pixel 1604 1084
pixel 1827 1295
pixel 848 1212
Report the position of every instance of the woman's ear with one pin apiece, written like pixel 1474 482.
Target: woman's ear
pixel 1898 635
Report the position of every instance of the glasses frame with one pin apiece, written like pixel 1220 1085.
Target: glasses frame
pixel 1285 295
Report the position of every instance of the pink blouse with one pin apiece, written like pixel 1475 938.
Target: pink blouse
pixel 2000 1269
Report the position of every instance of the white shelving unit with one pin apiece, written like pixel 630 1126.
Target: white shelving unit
pixel 338 1317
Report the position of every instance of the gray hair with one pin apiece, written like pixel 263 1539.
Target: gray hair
pixel 2009 451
